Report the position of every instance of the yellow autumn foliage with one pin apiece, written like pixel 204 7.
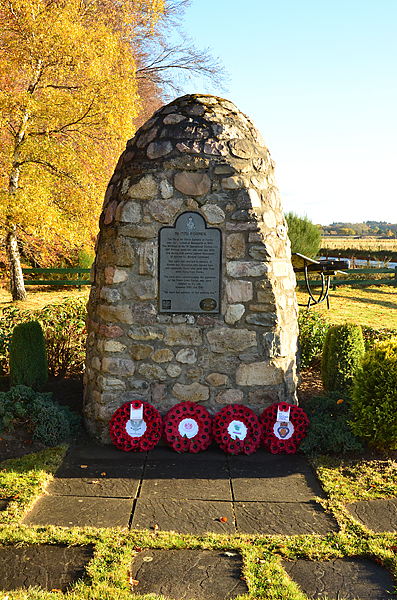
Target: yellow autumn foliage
pixel 68 97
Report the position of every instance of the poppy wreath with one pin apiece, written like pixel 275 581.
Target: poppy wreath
pixel 278 438
pixel 237 429
pixel 188 427
pixel 136 436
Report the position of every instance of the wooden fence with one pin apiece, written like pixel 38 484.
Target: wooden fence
pixel 76 279
pixel 336 280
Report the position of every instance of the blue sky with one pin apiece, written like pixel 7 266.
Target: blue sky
pixel 320 81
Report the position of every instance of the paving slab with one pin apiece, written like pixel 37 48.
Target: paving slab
pixel 99 488
pixel 346 578
pixel 189 574
pixel 272 477
pixel 195 517
pixel 49 567
pixel 201 476
pixel 283 518
pixel 378 515
pixel 213 452
pixel 72 511
pixel 92 461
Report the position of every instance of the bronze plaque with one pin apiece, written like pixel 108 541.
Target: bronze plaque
pixel 190 259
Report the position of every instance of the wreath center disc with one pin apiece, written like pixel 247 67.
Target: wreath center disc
pixel 135 427
pixel 237 430
pixel 188 428
pixel 283 430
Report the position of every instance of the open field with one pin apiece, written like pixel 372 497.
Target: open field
pixel 351 243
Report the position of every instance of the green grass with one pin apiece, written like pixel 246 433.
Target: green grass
pixel 374 306
pixel 107 576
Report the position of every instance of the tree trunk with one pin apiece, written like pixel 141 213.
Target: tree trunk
pixel 17 285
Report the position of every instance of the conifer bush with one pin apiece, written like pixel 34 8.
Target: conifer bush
pixel 342 354
pixel 28 358
pixel 313 328
pixel 51 422
pixel 374 405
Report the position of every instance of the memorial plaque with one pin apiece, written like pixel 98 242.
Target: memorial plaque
pixel 190 266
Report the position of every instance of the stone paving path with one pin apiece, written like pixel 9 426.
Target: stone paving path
pixel 186 493
pixel 209 492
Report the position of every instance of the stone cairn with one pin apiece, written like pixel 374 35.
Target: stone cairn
pixel 198 154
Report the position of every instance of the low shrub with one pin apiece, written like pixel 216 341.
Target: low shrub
pixel 313 328
pixel 374 405
pixel 28 358
pixel 372 336
pixel 51 422
pixel 64 332
pixel 329 430
pixel 342 353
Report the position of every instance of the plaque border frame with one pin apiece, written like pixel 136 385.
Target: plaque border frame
pixel 180 312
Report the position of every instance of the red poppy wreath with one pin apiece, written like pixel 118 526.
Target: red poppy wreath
pixel 283 427
pixel 136 426
pixel 237 429
pixel 188 427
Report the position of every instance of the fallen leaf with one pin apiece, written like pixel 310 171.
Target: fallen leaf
pixel 223 519
pixel 95 481
pixel 132 581
pixel 83 466
pixel 27 442
pixel 156 527
pixel 340 401
pixel 56 590
pixel 147 558
pixel 103 474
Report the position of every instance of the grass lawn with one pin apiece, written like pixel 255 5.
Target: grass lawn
pixel 38 297
pixel 374 306
pixel 24 480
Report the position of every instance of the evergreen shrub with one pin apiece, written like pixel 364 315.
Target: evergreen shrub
pixel 313 328
pixel 374 405
pixel 329 431
pixel 51 422
pixel 342 354
pixel 28 358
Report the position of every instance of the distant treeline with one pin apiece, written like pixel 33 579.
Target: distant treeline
pixel 368 228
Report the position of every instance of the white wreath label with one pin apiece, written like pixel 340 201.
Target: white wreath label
pixel 188 428
pixel 237 430
pixel 135 427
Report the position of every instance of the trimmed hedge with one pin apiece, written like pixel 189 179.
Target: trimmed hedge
pixel 28 358
pixel 374 394
pixel 342 354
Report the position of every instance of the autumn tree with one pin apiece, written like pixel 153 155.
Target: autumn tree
pixel 67 103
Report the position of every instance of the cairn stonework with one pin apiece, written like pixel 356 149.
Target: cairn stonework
pixel 193 292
